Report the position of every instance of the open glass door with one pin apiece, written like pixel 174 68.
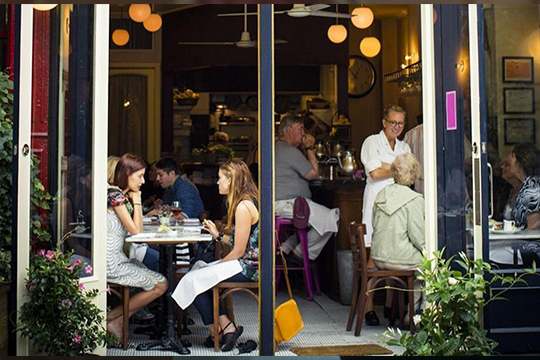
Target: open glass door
pixel 62 102
pixel 508 64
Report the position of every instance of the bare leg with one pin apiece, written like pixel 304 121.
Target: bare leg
pixel 138 301
pixel 223 322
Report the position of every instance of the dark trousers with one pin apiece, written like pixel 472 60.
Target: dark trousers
pixel 204 303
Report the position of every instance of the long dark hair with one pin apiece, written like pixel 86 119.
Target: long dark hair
pixel 127 165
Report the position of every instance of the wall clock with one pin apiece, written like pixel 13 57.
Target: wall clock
pixel 362 76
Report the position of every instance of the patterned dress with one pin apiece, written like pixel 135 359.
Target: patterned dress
pixel 120 269
pixel 528 200
pixel 250 260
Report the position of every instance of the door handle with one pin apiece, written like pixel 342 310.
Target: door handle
pixel 491 211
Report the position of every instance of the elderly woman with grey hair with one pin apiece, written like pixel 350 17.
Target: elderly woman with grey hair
pixel 398 224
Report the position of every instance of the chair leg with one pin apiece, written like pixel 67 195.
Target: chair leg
pixel 362 303
pixel 125 318
pixel 410 284
pixel 215 294
pixel 354 304
pixel 302 236
pixel 316 281
pixel 401 307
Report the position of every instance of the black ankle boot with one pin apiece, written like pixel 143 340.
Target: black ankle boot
pixel 372 319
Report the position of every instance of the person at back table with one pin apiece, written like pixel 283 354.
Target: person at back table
pixel 178 188
pixel 294 170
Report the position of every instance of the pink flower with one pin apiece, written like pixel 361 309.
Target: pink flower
pixel 30 287
pixel 77 339
pixel 88 269
pixel 81 286
pixel 78 262
pixel 66 303
pixel 71 269
pixel 41 252
pixel 49 255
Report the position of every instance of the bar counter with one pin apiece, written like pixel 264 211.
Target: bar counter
pixel 347 195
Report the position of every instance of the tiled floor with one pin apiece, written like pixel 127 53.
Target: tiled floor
pixel 324 324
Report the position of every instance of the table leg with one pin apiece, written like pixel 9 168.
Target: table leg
pixel 170 341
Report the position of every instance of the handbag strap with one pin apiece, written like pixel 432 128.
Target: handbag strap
pixel 286 272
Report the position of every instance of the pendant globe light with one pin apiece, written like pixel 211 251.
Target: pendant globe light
pixel 337 33
pixel 120 37
pixel 44 7
pixel 139 12
pixel 370 46
pixel 153 23
pixel 362 17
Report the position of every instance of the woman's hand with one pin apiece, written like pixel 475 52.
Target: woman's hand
pixel 209 226
pixel 135 196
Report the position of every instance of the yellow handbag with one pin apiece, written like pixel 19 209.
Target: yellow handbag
pixel 288 319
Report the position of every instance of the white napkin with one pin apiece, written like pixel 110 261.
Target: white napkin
pixel 203 277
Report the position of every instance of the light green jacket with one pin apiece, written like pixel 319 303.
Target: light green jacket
pixel 398 226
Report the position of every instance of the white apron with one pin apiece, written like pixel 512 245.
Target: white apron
pixel 376 149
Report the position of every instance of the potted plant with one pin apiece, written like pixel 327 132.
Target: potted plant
pixel 223 153
pixel 449 325
pixel 59 317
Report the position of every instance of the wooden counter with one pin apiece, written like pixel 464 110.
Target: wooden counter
pixel 347 195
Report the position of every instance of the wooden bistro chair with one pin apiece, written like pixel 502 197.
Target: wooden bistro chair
pixel 403 278
pixel 221 294
pixel 122 292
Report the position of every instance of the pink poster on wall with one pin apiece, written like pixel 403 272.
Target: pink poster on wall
pixel 451 115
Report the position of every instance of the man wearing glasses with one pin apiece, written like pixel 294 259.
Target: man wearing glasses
pixel 378 152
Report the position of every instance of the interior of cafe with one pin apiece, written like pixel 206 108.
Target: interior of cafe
pixel 183 95
pixel 189 90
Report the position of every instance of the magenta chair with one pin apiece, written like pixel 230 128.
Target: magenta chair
pixel 284 225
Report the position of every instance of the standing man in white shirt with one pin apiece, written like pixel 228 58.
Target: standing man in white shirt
pixel 378 152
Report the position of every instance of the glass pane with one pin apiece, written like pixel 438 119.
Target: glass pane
pixel 62 129
pixel 512 59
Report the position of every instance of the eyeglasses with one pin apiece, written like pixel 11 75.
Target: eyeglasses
pixel 395 123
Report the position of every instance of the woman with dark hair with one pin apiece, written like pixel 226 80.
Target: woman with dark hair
pixel 524 163
pixel 236 182
pixel 124 215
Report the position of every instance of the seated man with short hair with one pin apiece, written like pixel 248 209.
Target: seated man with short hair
pixel 294 170
pixel 178 188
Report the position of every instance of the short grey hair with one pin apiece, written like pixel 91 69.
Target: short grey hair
pixel 405 169
pixel 287 122
pixel 393 108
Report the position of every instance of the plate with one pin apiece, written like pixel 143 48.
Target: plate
pixel 507 232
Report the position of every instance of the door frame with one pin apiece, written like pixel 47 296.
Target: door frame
pixel 22 137
pixel 153 124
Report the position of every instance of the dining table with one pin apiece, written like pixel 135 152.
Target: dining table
pixel 168 238
pixel 502 243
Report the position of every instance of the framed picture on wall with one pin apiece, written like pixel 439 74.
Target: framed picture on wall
pixel 518 69
pixel 519 131
pixel 518 100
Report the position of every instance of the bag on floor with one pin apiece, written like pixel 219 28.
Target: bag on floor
pixel 287 315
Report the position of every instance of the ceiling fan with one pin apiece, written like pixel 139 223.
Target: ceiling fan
pixel 301 10
pixel 244 42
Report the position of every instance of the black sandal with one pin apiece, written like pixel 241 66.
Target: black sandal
pixel 229 339
pixel 209 342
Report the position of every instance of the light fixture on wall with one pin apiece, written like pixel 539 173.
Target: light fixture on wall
pixel 337 33
pixel 44 7
pixel 370 46
pixel 153 23
pixel 120 37
pixel 139 12
pixel 362 17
